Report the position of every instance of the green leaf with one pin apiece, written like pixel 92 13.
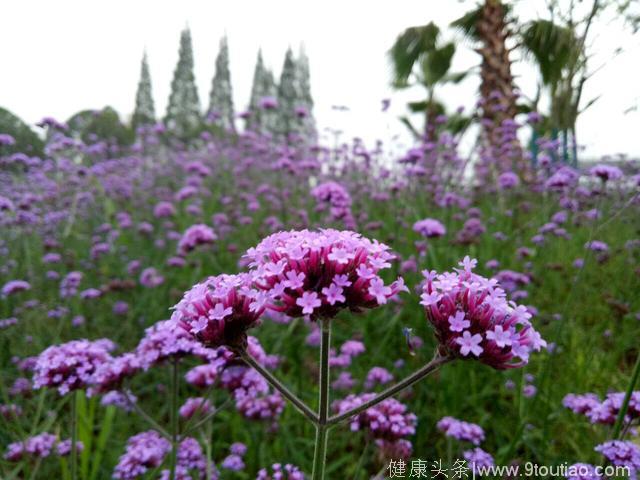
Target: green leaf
pixel 553 47
pixel 417 107
pixel 407 123
pixel 436 63
pixel 409 47
pixel 456 77
pixel 105 432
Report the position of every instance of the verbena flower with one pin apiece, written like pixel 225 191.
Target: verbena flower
pixel 377 376
pixel 144 451
pixel 38 446
pixel 220 310
pixel 70 366
pixel 166 340
pixel 195 406
pixel 338 199
pixel 109 374
pixel 195 235
pixel 621 453
pixel 190 460
pixel 477 458
pixel 151 278
pixel 582 471
pixel 389 420
pixel 281 472
pixel 69 284
pixel 603 412
pixel 606 172
pixel 122 400
pixel 15 286
pixel 461 430
pixel 64 447
pixel 318 273
pixel 235 460
pixel 508 180
pixel 473 319
pixel 429 228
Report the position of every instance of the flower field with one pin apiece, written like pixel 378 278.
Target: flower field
pixel 97 256
pixel 213 294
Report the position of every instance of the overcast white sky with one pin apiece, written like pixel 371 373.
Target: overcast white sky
pixel 62 56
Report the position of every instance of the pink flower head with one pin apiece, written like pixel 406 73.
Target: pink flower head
pixel 460 430
pixel 281 472
pixel 144 451
pixel 606 172
pixel 196 406
pixel 109 375
pixel 70 366
pixel 341 270
pixel 473 318
pixel 390 420
pixel 195 235
pixel 219 310
pixel 429 228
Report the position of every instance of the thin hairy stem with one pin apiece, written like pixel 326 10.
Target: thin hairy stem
pixel 322 428
pixel 415 377
pixel 74 434
pixel 145 415
pixel 275 383
pixel 174 418
pixel 617 429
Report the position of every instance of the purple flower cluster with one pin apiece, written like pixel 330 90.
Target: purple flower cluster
pixel 461 430
pixel 606 172
pixel 70 366
pixel 110 374
pixel 235 460
pixel 429 228
pixel 15 286
pixel 281 472
pixel 39 446
pixel 621 454
pixel 338 199
pixel 195 235
pixel 377 376
pixel 190 459
pixel 472 318
pixel 388 422
pixel 195 406
pixel 606 411
pixel 151 278
pixel 166 340
pixel 477 458
pixel 582 471
pixel 144 451
pixel 319 273
pixel 69 284
pixel 219 310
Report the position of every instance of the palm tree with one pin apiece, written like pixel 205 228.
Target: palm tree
pixel 487 25
pixel 418 58
pixel 560 54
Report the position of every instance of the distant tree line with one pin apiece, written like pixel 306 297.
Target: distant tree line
pixel 282 109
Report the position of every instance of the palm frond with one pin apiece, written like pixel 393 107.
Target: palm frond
pixel 409 47
pixel 552 46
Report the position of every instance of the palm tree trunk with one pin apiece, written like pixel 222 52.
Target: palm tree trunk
pixel 497 87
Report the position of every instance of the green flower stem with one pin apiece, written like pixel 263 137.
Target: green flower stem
pixel 322 427
pixel 174 418
pixel 275 383
pixel 617 429
pixel 74 434
pixel 134 405
pixel 415 377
